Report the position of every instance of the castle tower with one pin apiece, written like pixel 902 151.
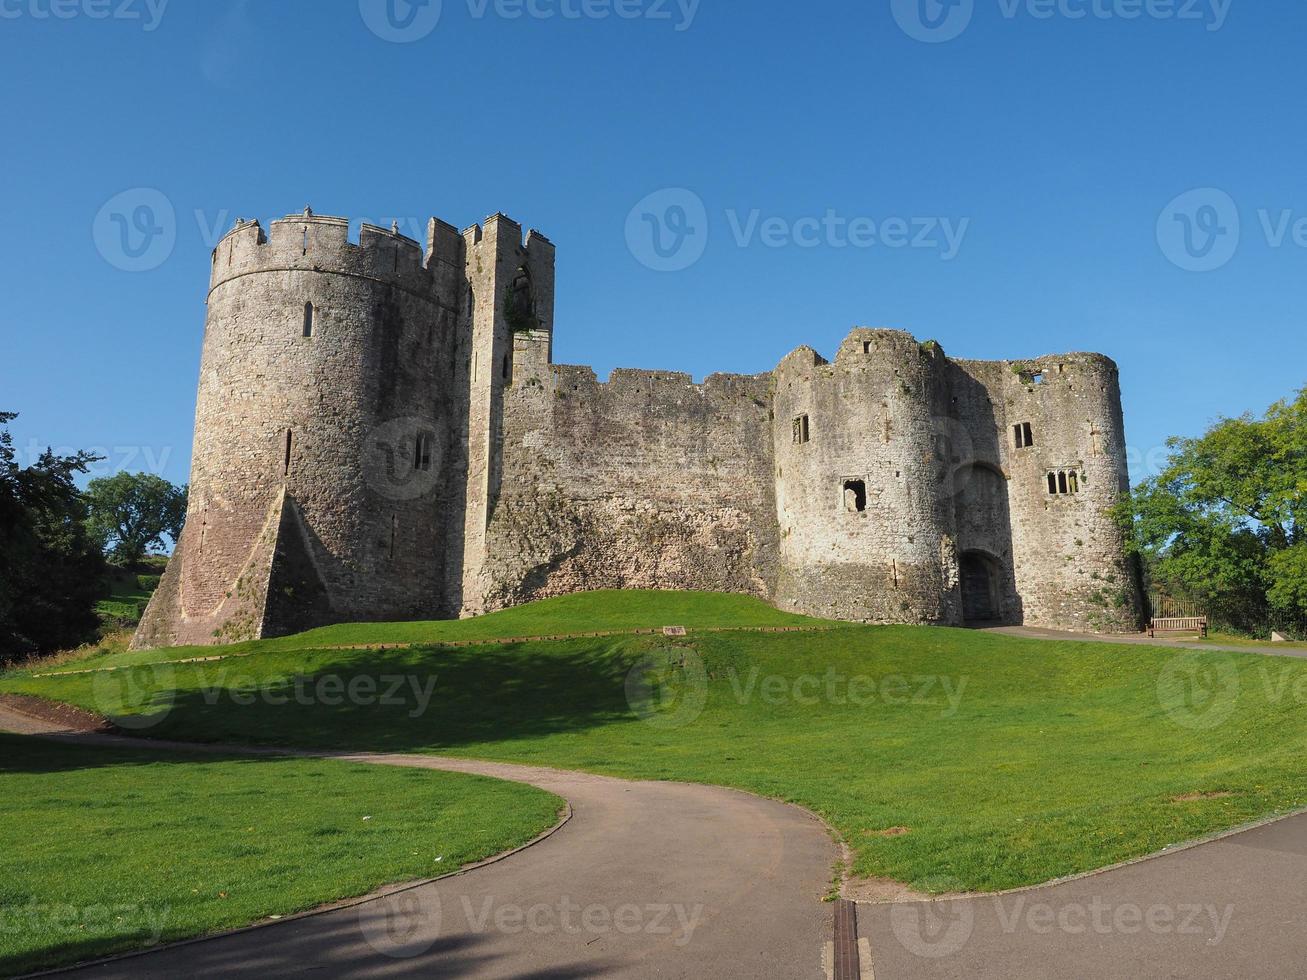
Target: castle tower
pixel 1061 438
pixel 511 287
pixel 863 457
pixel 320 477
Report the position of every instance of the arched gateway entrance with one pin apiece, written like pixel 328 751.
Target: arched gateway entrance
pixel 980 588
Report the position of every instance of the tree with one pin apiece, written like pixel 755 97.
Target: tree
pixel 50 568
pixel 1225 523
pixel 131 512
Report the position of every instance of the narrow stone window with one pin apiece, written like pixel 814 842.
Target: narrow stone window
pixel 308 319
pixel 802 431
pixel 290 443
pixel 1073 482
pixel 866 347
pixel 394 532
pixel 1061 483
pixel 1029 433
pixel 855 496
pixel 1052 483
pixel 422 452
pixel 306 241
pixel 506 369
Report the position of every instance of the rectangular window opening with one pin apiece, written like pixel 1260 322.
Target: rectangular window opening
pixel 308 319
pixel 290 442
pixel 802 431
pixel 855 496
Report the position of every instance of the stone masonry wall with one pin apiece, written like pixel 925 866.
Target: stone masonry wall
pixel 647 481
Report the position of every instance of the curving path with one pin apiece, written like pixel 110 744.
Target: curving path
pixel 645 880
pixel 1227 909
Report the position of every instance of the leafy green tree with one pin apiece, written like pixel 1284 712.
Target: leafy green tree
pixel 131 512
pixel 50 567
pixel 1225 523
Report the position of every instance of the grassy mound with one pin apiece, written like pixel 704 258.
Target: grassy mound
pixel 948 759
pixel 104 851
pixel 583 612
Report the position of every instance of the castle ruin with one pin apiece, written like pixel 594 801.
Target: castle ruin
pixel 381 434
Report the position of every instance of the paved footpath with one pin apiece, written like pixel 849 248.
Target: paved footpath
pixel 645 880
pixel 1229 909
pixel 1142 639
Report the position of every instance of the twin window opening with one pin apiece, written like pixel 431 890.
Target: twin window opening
pixel 1064 482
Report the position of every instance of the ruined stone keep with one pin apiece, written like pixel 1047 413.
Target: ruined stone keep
pixel 381 433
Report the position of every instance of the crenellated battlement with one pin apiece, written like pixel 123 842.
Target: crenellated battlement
pixel 310 242
pixel 505 230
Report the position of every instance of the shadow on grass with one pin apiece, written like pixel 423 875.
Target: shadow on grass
pixel 428 698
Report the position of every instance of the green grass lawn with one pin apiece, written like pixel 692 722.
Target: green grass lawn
pixel 105 850
pixel 1008 761
pixel 1236 639
pixel 126 595
pixel 585 612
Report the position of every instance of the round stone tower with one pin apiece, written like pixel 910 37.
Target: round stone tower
pixel 863 482
pixel 321 468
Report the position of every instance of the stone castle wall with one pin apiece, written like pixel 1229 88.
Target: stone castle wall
pixel 381 434
pixel 647 481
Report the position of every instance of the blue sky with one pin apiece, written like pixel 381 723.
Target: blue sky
pixel 1015 189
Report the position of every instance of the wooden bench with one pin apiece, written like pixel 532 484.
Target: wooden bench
pixel 1179 624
